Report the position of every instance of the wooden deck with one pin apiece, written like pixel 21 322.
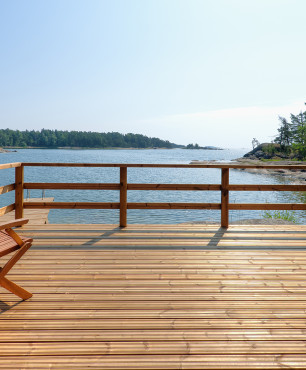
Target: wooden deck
pixel 35 216
pixel 158 297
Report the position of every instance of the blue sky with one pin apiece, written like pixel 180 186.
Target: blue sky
pixel 215 72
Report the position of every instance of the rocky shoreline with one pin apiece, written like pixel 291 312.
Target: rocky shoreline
pixel 268 154
pixel 297 176
pixel 6 151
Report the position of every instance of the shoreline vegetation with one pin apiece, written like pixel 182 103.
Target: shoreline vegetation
pixel 289 144
pixel 272 154
pixel 196 146
pixel 56 139
pixel 77 140
pixel 8 149
pixel 288 148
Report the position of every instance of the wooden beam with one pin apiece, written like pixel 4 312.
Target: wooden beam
pixel 155 165
pixel 123 197
pixel 182 187
pixel 19 173
pixel 267 187
pixel 7 188
pixel 7 209
pixel 71 186
pixel 224 197
pixel 174 206
pixel 114 186
pixel 10 165
pixel 71 205
pixel 267 206
pixel 99 205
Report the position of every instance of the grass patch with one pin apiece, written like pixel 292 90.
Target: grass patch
pixel 281 215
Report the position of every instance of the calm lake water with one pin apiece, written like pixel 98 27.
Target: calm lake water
pixel 142 175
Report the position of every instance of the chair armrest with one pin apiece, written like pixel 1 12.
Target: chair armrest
pixel 18 222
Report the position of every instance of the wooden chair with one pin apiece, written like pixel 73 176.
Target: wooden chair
pixel 10 242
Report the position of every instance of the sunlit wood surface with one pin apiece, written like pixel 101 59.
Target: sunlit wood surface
pixel 158 297
pixel 35 216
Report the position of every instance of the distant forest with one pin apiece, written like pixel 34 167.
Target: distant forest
pixel 82 139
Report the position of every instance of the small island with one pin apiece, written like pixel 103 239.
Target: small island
pixel 197 146
pixel 289 144
pixel 288 148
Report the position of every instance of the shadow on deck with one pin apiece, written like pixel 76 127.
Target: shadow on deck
pixel 158 297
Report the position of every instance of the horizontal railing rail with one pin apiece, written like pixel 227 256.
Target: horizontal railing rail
pixel 123 187
pixel 114 186
pixel 160 165
pixel 10 165
pixel 7 188
pixel 7 209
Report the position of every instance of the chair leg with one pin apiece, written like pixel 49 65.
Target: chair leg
pixel 16 257
pixel 14 288
pixel 8 284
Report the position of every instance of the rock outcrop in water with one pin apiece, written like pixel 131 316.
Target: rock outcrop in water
pixel 7 151
pixel 265 151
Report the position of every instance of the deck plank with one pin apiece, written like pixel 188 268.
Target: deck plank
pixel 158 297
pixel 35 216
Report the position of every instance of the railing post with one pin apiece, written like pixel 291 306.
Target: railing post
pixel 123 196
pixel 224 197
pixel 19 192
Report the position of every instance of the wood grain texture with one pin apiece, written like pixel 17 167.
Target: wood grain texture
pixel 224 197
pixel 6 209
pixel 155 165
pixel 123 197
pixel 7 188
pixel 19 177
pixel 35 216
pixel 267 187
pixel 101 205
pixel 71 186
pixel 268 206
pixel 10 165
pixel 158 297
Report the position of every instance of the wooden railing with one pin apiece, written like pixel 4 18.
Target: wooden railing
pixel 123 187
pixel 18 191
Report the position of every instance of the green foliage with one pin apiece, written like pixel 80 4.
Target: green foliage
pixel 82 139
pixel 269 149
pixel 281 215
pixel 292 135
pixel 285 133
pixel 271 160
pixel 193 146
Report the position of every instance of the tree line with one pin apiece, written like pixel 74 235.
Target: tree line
pixel 55 138
pixel 292 135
